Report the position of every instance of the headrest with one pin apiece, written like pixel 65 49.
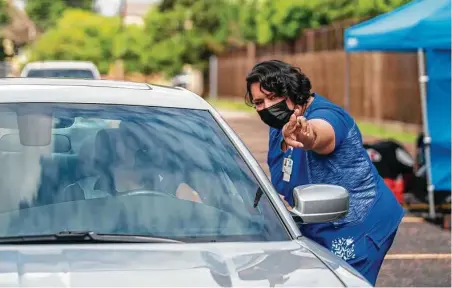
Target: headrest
pixel 112 146
pixel 151 148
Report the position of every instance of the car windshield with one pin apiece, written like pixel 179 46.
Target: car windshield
pixel 116 169
pixel 61 73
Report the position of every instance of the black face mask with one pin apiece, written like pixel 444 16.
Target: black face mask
pixel 277 115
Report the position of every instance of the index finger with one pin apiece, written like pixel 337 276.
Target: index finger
pixel 292 124
pixel 303 122
pixel 293 143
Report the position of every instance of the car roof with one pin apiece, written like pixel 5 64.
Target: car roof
pixel 90 91
pixel 61 64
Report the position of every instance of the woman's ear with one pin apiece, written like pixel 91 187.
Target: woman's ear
pixel 290 104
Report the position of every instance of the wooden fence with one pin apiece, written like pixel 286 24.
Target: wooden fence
pixel 383 86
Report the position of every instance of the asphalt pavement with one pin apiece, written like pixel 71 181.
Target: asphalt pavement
pixel 421 253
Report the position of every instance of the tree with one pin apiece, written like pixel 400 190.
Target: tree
pixel 238 22
pixel 129 47
pixel 45 13
pixel 166 5
pixel 79 35
pixel 182 32
pixel 179 32
pixel 4 16
pixel 284 19
pixel 335 10
pixel 4 20
pixel 247 19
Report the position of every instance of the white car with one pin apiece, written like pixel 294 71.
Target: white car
pixel 61 69
pixel 168 196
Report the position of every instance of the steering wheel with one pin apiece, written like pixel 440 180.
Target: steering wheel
pixel 147 192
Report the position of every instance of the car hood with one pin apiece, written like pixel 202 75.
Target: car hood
pixel 135 265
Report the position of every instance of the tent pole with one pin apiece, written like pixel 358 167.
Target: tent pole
pixel 423 79
pixel 347 82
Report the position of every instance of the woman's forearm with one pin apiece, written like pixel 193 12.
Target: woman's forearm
pixel 324 138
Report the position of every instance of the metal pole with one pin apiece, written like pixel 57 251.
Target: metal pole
pixel 347 82
pixel 423 79
pixel 213 77
pixel 122 14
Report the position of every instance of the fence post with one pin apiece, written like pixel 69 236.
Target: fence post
pixel 378 84
pixel 310 40
pixel 251 55
pixel 213 77
pixel 347 82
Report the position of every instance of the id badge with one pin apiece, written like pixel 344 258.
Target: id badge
pixel 289 165
pixel 287 169
pixel 286 177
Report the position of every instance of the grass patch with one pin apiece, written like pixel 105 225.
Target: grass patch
pixel 367 128
pixel 380 131
pixel 230 104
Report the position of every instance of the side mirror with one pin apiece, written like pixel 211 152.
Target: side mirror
pixel 320 203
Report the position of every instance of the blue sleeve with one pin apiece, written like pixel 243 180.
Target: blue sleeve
pixel 271 139
pixel 337 120
pixel 275 159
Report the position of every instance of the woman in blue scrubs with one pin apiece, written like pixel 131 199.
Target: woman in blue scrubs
pixel 314 141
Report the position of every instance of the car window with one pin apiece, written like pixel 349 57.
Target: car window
pixel 156 171
pixel 61 73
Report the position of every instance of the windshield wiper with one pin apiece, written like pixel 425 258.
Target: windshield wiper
pixel 83 236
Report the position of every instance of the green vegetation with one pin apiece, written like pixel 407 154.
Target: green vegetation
pixel 79 35
pixel 45 13
pixel 284 19
pixel 4 17
pixel 4 20
pixel 231 105
pixel 179 32
pixel 380 131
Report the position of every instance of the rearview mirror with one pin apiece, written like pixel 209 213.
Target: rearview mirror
pixel 34 129
pixel 12 143
pixel 320 203
pixel 9 120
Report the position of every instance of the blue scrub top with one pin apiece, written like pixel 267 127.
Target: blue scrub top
pixel 374 213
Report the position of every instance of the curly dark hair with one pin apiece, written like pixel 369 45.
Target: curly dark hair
pixel 280 78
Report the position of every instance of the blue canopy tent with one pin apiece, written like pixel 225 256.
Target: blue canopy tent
pixel 423 26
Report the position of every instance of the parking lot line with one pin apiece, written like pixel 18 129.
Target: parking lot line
pixel 426 256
